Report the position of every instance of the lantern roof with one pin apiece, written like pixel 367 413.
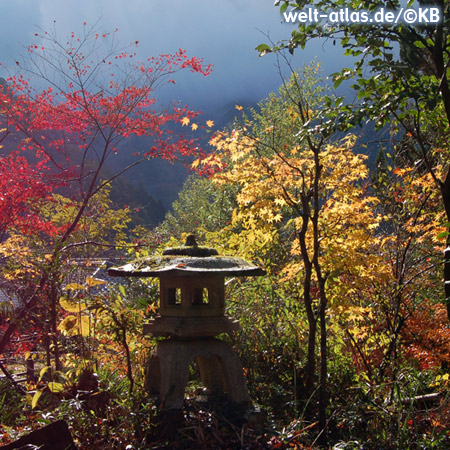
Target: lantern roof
pixel 189 260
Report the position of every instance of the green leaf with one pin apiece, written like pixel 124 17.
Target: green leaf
pixel 338 81
pixel 42 372
pixel 263 49
pixel 122 290
pixel 56 388
pixel 36 397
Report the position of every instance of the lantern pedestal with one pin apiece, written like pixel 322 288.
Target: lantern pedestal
pixel 190 327
pixel 220 370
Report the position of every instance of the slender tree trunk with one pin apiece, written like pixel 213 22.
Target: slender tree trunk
pixel 54 327
pixel 311 354
pixel 48 357
pixel 312 324
pixel 323 390
pixel 128 357
pixel 445 192
pixel 441 74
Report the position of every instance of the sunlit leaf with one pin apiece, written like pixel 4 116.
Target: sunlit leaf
pixel 75 287
pixel 91 282
pixel 263 49
pixel 36 397
pixel 75 325
pixel 71 306
pixel 84 326
pixel 67 325
pixel 42 372
pixel 55 387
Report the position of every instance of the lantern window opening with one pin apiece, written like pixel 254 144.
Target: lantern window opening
pixel 200 296
pixel 173 296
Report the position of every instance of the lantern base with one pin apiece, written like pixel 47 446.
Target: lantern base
pixel 220 371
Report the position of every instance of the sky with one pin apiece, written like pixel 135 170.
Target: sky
pixel 223 32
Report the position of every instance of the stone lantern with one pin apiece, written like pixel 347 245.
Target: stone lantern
pixel 192 313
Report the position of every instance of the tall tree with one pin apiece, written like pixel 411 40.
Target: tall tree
pixel 401 74
pixel 96 97
pixel 292 178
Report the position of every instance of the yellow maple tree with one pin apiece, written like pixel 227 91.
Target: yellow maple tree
pixel 305 191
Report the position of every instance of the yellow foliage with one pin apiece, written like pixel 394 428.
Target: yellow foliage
pixel 75 325
pixel 272 186
pixel 20 260
pixel 71 306
pixel 91 282
pixel 75 287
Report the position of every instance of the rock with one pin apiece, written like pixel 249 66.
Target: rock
pixel 55 436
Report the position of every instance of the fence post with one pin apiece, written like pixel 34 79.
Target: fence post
pixel 30 369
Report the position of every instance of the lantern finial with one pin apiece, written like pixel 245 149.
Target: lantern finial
pixel 190 241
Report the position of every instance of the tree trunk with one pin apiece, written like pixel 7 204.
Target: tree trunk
pixel 445 192
pixel 441 74
pixel 312 324
pixel 323 392
pixel 311 355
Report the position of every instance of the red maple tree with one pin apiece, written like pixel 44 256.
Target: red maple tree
pixel 96 96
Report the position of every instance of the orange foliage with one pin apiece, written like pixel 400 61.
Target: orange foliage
pixel 427 335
